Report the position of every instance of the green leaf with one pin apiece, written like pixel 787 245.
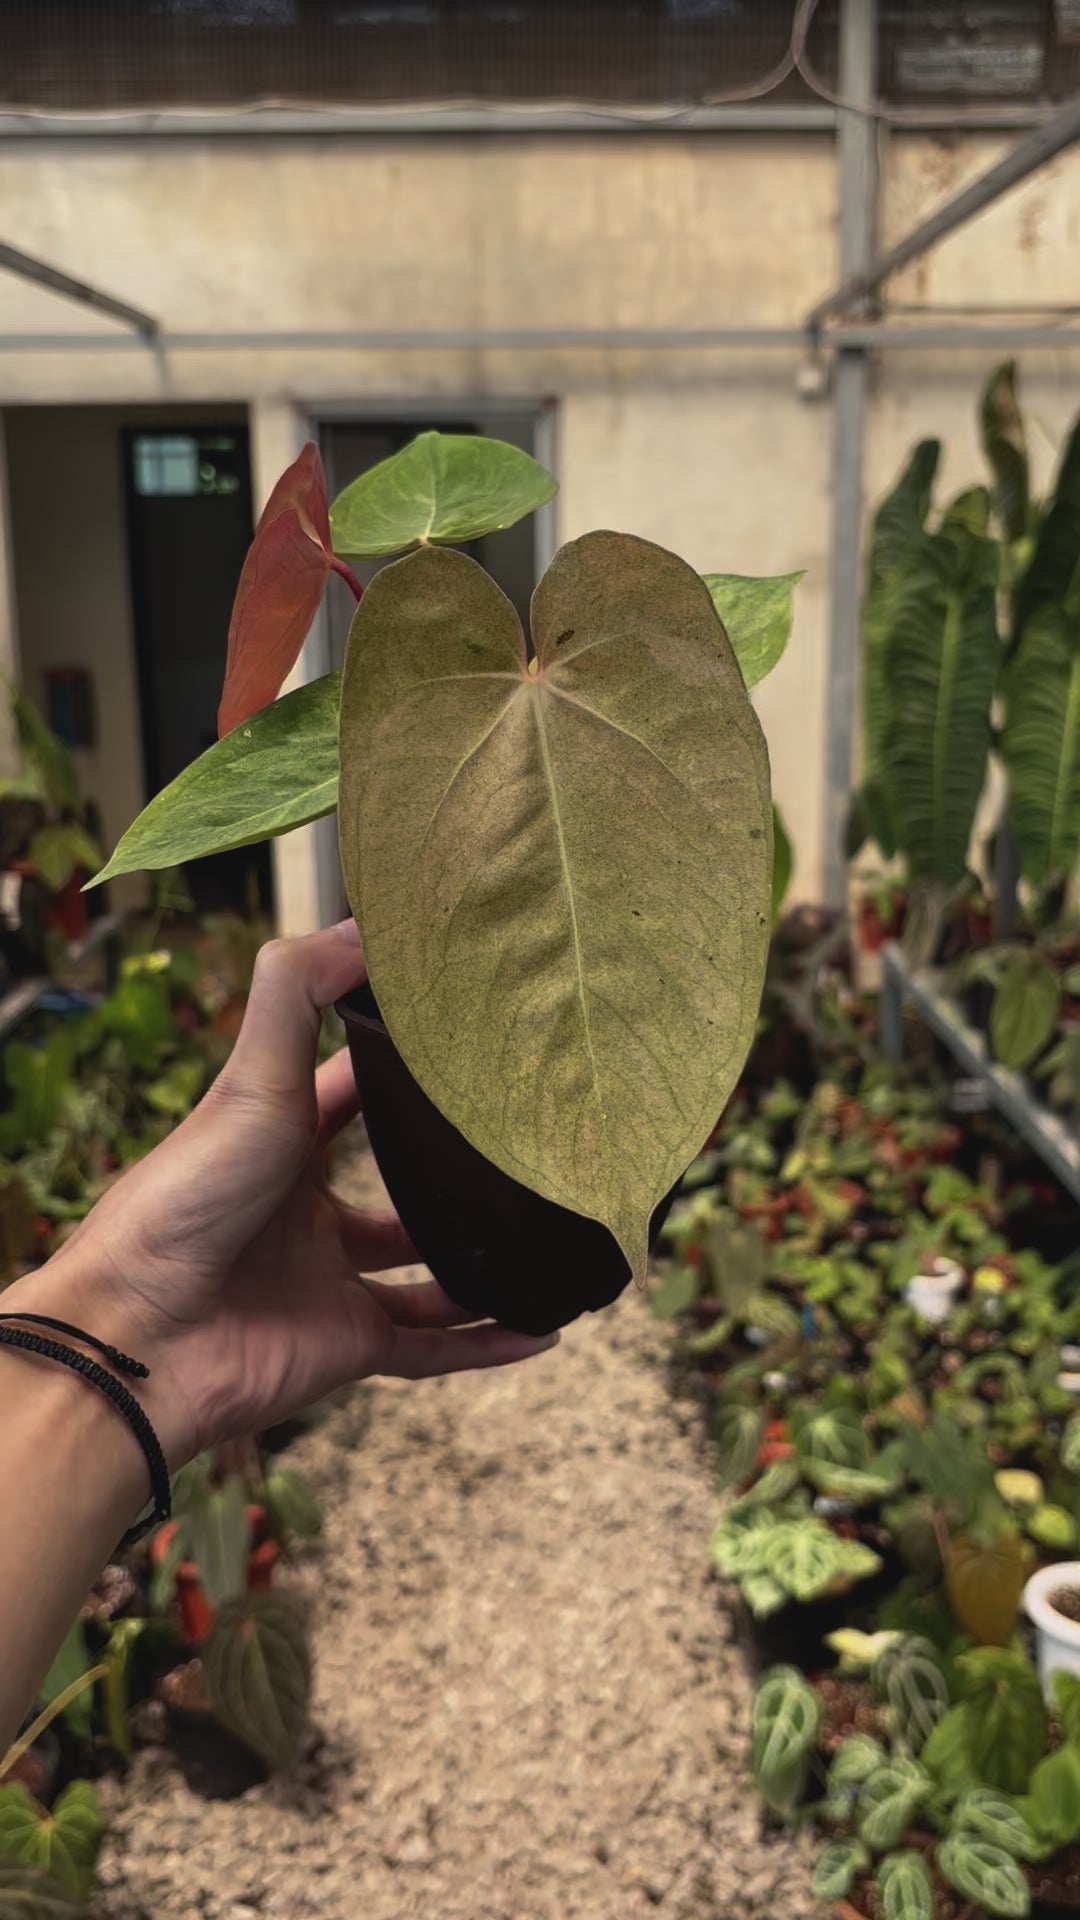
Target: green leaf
pixel 968 513
pixel 783 861
pixel 834 1436
pixel 986 1875
pixel 71 1661
pixel 1049 580
pixel 837 1868
pixel 860 1485
pixel 740 1540
pixel 277 771
pixel 445 488
pixel 1006 1716
pixel 258 1670
pixel 117 1659
pixel 776 1484
pixel 675 1292
pixel 983 1812
pixel 898 522
pixel 219 1539
pixel 1070 1445
pixel 64 1843
pixel 292 1506
pixel 1055 1797
pixel 737 1433
pixel 757 616
pixel 942 666
pixel 804 1557
pixel 1005 445
pixel 59 851
pixel 905 1888
pixel 947 1753
pixel 562 879
pixel 889 1801
pixel 28 1894
pixel 1040 744
pixel 909 1678
pixel 1052 1527
pixel 46 755
pixel 787 1715
pixel 1065 1688
pixel 1025 1011
pixel 851 1767
pixel 763 1595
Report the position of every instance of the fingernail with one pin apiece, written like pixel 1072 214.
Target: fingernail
pixel 348 930
pixel 545 1340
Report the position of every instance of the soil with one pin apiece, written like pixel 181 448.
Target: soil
pixel 528 1705
pixel 1065 1600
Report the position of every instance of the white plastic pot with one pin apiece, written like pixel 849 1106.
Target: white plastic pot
pixel 1057 1638
pixel 933 1294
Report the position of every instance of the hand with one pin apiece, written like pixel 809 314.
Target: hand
pixel 224 1261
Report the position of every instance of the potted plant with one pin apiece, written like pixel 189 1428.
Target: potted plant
pixel 1052 1604
pixel 558 853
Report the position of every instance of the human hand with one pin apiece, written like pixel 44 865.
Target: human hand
pixel 225 1262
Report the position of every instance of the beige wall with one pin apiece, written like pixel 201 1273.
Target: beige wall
pixel 712 453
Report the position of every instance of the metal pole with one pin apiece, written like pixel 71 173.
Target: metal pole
pixel 25 265
pixel 1026 157
pixel 857 193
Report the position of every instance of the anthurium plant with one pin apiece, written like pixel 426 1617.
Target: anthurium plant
pixel 557 846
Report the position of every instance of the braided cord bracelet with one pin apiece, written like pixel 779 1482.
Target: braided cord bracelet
pixel 113 1390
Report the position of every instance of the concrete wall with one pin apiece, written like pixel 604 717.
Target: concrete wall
pixel 712 453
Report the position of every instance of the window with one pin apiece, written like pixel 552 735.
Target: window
pixel 183 463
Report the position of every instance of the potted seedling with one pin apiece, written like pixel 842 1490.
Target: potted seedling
pixel 1052 1604
pixel 558 850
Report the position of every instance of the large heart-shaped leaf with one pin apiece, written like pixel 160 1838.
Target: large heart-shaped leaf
pixel 276 772
pixel 279 592
pixel 28 1894
pixel 443 488
pixel 258 1670
pixel 757 616
pixel 64 1842
pixel 561 876
pixel 1040 744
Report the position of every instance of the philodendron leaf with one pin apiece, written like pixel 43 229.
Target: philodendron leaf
pixel 278 771
pixel 64 1842
pixel 443 488
pixel 258 1670
pixel 561 876
pixel 1025 1010
pixel 757 617
pixel 26 1893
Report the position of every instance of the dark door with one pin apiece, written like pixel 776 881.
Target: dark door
pixel 189 526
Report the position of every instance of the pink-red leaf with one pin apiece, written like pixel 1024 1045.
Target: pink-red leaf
pixel 280 589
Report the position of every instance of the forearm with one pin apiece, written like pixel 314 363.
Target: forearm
pixel 73 1481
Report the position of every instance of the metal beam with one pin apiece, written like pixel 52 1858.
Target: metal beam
pixel 1023 159
pixel 857 186
pixel 964 336
pixel 42 275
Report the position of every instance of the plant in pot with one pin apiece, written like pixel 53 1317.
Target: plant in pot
pixel 559 860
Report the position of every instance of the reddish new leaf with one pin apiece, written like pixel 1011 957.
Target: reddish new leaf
pixel 280 589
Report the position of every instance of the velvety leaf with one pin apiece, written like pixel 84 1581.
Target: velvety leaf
pixel 905 1888
pixel 837 1868
pixel 1055 1800
pixel 1040 744
pixel 26 1893
pixel 982 1811
pixel 443 488
pixel 258 1670
pixel 561 877
pixel 898 522
pixel 757 616
pixel 986 1875
pixel 787 1715
pixel 782 864
pixel 70 1663
pixel 889 1801
pixel 1050 579
pixel 1006 1718
pixel 1025 1010
pixel 280 588
pixel 63 1843
pixel 278 771
pixel 947 1753
pixel 1005 445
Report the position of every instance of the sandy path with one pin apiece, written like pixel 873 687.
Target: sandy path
pixel 527 1705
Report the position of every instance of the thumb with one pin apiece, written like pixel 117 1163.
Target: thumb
pixel 294 980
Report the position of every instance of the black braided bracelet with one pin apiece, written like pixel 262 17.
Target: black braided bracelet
pixel 121 1361
pixel 118 1396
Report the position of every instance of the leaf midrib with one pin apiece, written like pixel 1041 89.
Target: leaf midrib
pixel 1066 758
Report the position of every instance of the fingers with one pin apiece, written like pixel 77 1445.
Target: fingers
pixel 274 1056
pixel 373 1241
pixel 418 1353
pixel 339 1102
pixel 422 1305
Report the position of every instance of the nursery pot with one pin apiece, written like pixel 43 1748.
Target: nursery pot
pixel 932 1294
pixel 1057 1632
pixel 501 1251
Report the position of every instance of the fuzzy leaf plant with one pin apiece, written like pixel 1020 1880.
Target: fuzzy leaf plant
pixel 557 844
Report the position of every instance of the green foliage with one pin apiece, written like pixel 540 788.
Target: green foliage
pixel 837 1868
pixel 1049 580
pixel 293 1510
pixel 908 1677
pixel 888 1802
pixel 62 849
pixel 70 1663
pixel 905 1888
pixel 507 778
pixel 798 1558
pixel 787 1715
pixel 989 1816
pixel 258 1671
pixel 757 616
pixel 275 772
pixel 443 488
pixel 216 1535
pixel 852 1765
pixel 1025 1010
pixel 63 1843
pixel 737 1433
pixel 26 1893
pixel 1006 1718
pixel 985 1875
pixel 45 756
pixel 1004 443
pixel 1053 1804
pixel 1040 744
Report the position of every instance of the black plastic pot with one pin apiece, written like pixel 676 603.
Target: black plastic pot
pixel 499 1250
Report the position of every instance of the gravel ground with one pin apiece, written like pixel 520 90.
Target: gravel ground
pixel 526 1704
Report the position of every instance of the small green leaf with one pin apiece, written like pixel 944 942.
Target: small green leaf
pixel 986 1875
pixel 1070 1445
pixel 71 1662
pixel 1024 1012
pixel 64 1843
pixel 676 1292
pixel 277 771
pixel 443 488
pixel 905 1887
pixel 888 1803
pixel 757 616
pixel 292 1506
pixel 219 1539
pixel 787 1715
pixel 989 1815
pixel 763 1595
pixel 1055 1797
pixel 738 1434
pixel 837 1868
pixel 258 1670
pixel 46 755
pixel 1053 1527
pixel 59 851
pixel 1066 1691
